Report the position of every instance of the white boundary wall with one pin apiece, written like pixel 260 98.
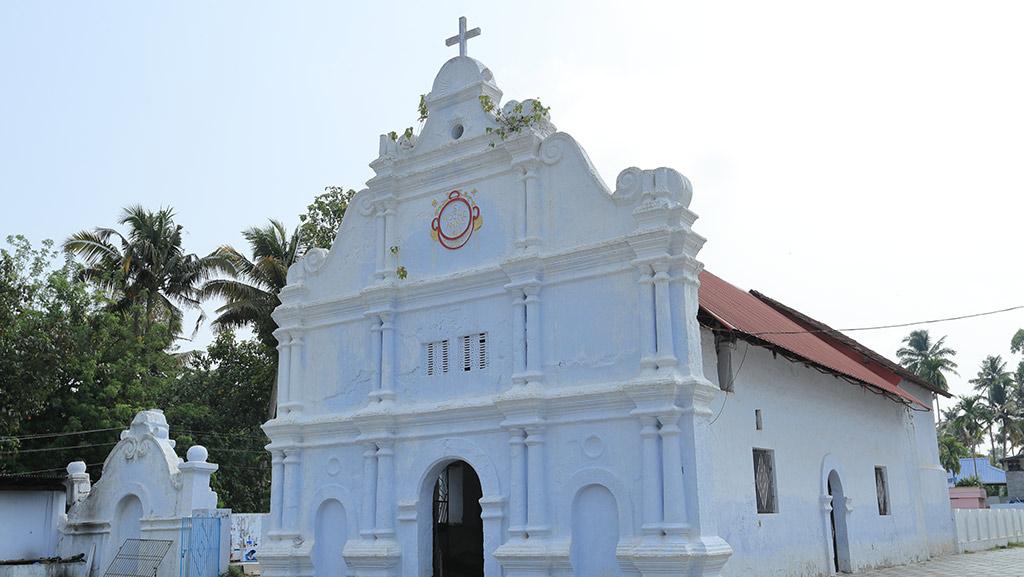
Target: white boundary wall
pixel 980 529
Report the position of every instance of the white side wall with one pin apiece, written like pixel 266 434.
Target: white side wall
pixel 34 535
pixel 816 423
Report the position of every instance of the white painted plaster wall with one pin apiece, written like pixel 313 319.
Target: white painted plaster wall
pixel 810 419
pixel 28 523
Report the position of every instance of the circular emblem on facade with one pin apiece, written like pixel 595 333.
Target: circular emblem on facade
pixel 333 466
pixel 455 219
pixel 593 446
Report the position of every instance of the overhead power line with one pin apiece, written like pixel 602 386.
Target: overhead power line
pixel 47 449
pixel 893 326
pixel 48 470
pixel 52 435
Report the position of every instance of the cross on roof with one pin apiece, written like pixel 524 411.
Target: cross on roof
pixel 462 36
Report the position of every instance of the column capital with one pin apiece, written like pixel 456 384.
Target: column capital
pixel 534 435
pixel 648 426
pixel 530 169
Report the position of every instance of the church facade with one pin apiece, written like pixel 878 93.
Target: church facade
pixel 503 367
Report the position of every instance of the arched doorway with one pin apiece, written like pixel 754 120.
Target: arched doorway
pixel 457 529
pixel 329 537
pixel 595 533
pixel 840 538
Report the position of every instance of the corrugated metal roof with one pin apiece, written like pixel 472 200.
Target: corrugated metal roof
pixel 989 475
pixel 741 312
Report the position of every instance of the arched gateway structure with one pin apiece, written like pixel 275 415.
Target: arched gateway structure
pixel 502 353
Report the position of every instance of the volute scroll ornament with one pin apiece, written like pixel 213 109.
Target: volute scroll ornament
pixel 314 259
pixel 650 185
pixel 134 447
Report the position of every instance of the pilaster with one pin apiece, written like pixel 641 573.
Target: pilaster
pixel 296 365
pixel 284 359
pixel 276 489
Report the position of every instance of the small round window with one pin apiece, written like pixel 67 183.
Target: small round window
pixel 457 131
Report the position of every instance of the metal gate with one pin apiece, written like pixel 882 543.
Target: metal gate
pixel 200 547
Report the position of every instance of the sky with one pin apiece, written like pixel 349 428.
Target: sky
pixel 856 161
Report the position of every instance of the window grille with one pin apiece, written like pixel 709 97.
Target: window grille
pixel 474 354
pixel 482 357
pixel 467 354
pixel 764 481
pixel 882 490
pixel 437 357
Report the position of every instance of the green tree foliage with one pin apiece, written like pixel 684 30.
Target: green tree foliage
pixel 145 270
pixel 951 450
pixel 968 421
pixel 68 363
pixel 251 286
pixel 972 481
pixel 995 384
pixel 927 359
pixel 323 217
pixel 1017 342
pixel 219 401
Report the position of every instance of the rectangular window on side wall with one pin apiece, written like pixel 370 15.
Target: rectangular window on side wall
pixel 882 490
pixel 764 481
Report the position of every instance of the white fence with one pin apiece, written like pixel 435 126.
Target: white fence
pixel 980 529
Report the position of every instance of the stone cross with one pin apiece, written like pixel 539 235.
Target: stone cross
pixel 462 36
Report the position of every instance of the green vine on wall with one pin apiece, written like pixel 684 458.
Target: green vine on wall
pixel 407 134
pixel 423 108
pixel 515 120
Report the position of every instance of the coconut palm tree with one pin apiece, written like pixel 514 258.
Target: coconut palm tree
pixel 145 270
pixel 969 424
pixel 951 450
pixel 928 360
pixel 994 382
pixel 250 287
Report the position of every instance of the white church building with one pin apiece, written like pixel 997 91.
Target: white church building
pixel 505 367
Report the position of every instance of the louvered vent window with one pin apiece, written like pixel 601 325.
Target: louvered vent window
pixel 482 356
pixel 473 354
pixel 467 354
pixel 437 358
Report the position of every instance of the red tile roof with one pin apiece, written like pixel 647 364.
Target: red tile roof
pixel 751 317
